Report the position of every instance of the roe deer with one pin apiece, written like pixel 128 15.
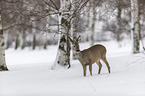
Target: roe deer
pixel 90 56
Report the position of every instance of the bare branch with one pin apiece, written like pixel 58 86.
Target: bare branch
pixel 54 5
pixel 49 5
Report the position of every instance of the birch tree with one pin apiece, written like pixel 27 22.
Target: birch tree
pixel 135 26
pixel 93 23
pixel 141 21
pixel 75 21
pixel 3 66
pixel 65 14
pixel 22 39
pixel 61 52
pixel 92 17
pixel 68 12
pixel 88 19
pixel 121 22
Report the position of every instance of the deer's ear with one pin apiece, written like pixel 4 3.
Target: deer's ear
pixel 79 39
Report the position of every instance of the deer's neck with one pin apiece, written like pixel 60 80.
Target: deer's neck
pixel 78 54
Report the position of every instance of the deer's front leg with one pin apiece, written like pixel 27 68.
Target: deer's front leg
pixel 90 68
pixel 84 69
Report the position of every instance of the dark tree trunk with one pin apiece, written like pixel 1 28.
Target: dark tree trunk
pixel 75 21
pixel 68 45
pixel 34 42
pixel 16 42
pixel 23 37
pixel 118 34
pixel 45 45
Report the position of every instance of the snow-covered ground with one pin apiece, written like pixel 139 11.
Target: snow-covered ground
pixel 30 74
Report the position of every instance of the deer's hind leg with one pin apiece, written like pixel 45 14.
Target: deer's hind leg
pixel 106 62
pixel 100 65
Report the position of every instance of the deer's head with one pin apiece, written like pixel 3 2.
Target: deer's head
pixel 75 44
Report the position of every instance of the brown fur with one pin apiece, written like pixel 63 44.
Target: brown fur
pixel 90 56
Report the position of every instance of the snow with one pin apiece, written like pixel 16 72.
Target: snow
pixel 30 74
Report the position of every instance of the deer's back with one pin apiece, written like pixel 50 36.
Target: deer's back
pixel 93 53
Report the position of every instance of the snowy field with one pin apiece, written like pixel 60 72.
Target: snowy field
pixel 30 74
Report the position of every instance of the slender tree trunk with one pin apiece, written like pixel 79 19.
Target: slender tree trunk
pixel 139 30
pixel 34 41
pixel 68 46
pixel 74 32
pixel 119 24
pixel 16 42
pixel 75 24
pixel 59 53
pixel 93 26
pixel 135 26
pixel 74 36
pixel 45 43
pixel 88 21
pixel 3 66
pixel 34 31
pixel 93 20
pixel 23 37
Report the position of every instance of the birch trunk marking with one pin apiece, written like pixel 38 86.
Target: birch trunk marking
pixel 59 36
pixel 135 26
pixel 3 66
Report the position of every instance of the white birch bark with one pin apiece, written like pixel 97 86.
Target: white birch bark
pixel 3 66
pixel 59 36
pixel 93 26
pixel 135 26
pixel 62 49
pixel 63 52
